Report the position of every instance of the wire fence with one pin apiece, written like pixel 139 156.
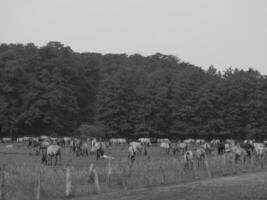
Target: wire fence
pixel 27 181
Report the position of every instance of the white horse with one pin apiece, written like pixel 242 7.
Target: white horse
pixel 52 151
pixel 137 146
pixel 132 153
pixel 165 146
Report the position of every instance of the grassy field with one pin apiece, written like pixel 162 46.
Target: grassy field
pixel 22 168
pixel 239 187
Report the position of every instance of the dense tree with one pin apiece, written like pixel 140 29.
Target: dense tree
pixel 54 90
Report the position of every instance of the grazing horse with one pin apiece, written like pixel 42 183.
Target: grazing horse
pixel 60 142
pixel 82 149
pixel 260 152
pixel 174 147
pixel 6 140
pixel 165 146
pixel 138 147
pixel 182 147
pixel 43 146
pixel 249 148
pixel 132 153
pixel 85 149
pixel 200 155
pixel 238 153
pixel 188 160
pixel 74 144
pixel 98 148
pixel 67 141
pixel 145 141
pixel 220 148
pixel 52 151
pixel 33 142
pixel 207 148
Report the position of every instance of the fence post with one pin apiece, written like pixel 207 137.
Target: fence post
pixel 96 181
pixel 162 174
pixel 3 195
pixel 233 163
pixel 38 190
pixel 124 178
pixel 180 169
pixel 208 168
pixel 224 164
pixel 109 171
pixel 194 166
pixel 68 182
pixel 91 167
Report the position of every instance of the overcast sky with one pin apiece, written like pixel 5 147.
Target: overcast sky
pixel 203 32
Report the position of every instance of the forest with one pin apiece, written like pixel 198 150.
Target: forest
pixel 52 90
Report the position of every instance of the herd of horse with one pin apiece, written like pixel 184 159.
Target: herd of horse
pixel 190 149
pixel 51 148
pixel 198 150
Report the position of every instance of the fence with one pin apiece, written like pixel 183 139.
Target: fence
pixel 45 182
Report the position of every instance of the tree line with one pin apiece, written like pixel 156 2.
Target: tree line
pixel 53 90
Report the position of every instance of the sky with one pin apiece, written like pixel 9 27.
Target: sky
pixel 222 33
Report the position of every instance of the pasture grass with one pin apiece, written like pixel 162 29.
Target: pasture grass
pixel 22 168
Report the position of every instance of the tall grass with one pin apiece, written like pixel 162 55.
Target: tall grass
pixel 21 179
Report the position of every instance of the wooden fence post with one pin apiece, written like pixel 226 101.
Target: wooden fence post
pixel 180 167
pixel 208 168
pixel 91 167
pixel 3 195
pixel 96 181
pixel 68 182
pixel 109 171
pixel 38 189
pixel 124 178
pixel 194 167
pixel 162 174
pixel 224 164
pixel 233 164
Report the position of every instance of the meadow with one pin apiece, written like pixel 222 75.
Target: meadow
pixel 22 168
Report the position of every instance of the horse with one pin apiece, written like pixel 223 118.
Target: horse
pixel 200 156
pixel 138 147
pixel 188 160
pixel 220 148
pixel 98 148
pixel 53 150
pixel 165 146
pixel 238 153
pixel 182 147
pixel 207 148
pixel 132 153
pixel 249 148
pixel 82 149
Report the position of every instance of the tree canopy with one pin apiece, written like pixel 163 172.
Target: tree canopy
pixel 52 89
